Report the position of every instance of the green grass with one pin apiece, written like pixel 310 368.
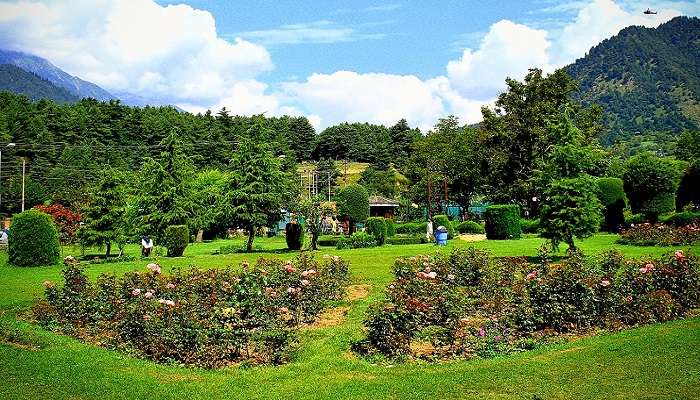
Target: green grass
pixel 658 361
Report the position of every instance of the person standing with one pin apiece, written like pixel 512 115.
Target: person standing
pixel 146 246
pixel 429 230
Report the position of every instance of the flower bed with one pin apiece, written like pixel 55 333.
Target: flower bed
pixel 647 234
pixel 206 318
pixel 469 304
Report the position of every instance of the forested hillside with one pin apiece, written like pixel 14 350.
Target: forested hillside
pixel 647 80
pixel 17 80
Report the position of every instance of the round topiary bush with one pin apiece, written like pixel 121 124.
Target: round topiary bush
pixel 376 226
pixel 294 234
pixel 611 193
pixel 472 227
pixel 33 240
pixel 353 202
pixel 502 221
pixel 175 239
pixel 442 220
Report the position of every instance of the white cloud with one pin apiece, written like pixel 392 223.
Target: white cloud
pixel 373 97
pixel 172 53
pixel 314 32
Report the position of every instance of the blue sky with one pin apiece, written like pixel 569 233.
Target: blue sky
pixel 331 61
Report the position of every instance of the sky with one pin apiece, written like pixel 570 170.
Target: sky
pixel 332 61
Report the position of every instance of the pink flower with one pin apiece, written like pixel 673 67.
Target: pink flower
pixel 167 302
pixel 532 275
pixel 136 292
pixel 482 332
pixel 289 268
pixel 650 266
pixel 146 317
pixel 605 283
pixel 153 267
pixel 680 256
pixel 292 290
pixel 283 310
pixel 148 295
pixel 392 287
pixel 422 275
pixel 305 282
pixel 270 292
pixel 170 286
pixel 643 270
pixel 432 275
pixel 226 285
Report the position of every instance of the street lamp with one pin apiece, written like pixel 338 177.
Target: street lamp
pixel 6 146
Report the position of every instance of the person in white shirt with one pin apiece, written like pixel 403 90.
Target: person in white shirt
pixel 429 230
pixel 146 246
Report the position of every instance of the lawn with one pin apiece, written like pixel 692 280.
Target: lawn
pixel 657 361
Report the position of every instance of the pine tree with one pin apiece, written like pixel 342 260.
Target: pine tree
pixel 103 217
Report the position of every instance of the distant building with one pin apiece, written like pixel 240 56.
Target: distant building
pixel 382 207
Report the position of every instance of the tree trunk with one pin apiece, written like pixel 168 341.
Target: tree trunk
pixel 314 240
pixel 109 248
pixel 200 235
pixel 251 237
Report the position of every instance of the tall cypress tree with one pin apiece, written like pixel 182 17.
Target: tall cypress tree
pixel 103 217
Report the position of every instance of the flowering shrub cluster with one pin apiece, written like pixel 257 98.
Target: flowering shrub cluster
pixel 647 234
pixel 468 304
pixel 66 220
pixel 206 318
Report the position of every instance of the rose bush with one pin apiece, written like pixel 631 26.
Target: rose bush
pixel 206 318
pixel 469 304
pixel 647 234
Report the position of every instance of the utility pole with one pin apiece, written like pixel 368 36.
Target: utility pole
pixel 329 186
pixel 7 145
pixel 24 165
pixel 429 192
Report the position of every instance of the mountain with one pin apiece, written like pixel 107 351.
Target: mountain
pixel 17 80
pixel 44 69
pixel 646 79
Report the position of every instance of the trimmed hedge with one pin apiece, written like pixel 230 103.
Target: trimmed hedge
pixel 175 239
pixel 376 226
pixel 353 202
pixel 328 240
pixel 33 240
pixel 635 219
pixel 358 240
pixel 611 193
pixel 502 221
pixel 407 239
pixel 682 218
pixel 470 227
pixel 530 225
pixel 390 227
pixel 411 228
pixel 294 234
pixel 443 220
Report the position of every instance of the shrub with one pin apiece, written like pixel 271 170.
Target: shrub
pixel 294 235
pixel 175 239
pixel 209 318
pixel 660 235
pixel 502 221
pixel 407 239
pixel 443 220
pixel 411 228
pixel 611 193
pixel 356 241
pixel 530 225
pixel 353 202
pixel 390 227
pixel 682 218
pixel 67 221
pixel 470 304
pixel 376 226
pixel 635 219
pixel 33 240
pixel 328 240
pixel 470 227
pixel 651 183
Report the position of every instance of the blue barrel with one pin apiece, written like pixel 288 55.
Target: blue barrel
pixel 441 237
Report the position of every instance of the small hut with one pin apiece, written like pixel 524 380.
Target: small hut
pixel 380 206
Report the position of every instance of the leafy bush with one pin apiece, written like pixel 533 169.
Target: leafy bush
pixel 530 225
pixel 469 304
pixel 651 183
pixel 390 227
pixel 33 240
pixel 357 240
pixel 407 239
pixel 209 318
pixel 328 240
pixel 502 221
pixel 611 193
pixel 647 234
pixel 67 221
pixel 470 227
pixel 353 202
pixel 175 239
pixel 376 226
pixel 443 220
pixel 682 218
pixel 294 234
pixel 411 228
pixel 635 219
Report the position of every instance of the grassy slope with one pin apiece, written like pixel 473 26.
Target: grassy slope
pixel 659 361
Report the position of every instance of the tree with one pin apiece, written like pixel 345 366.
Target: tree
pixel 571 209
pixel 385 182
pixel 104 215
pixel 209 200
pixel 163 197
pixel 402 139
pixel 258 185
pixel 302 138
pixel 651 183
pixel 688 146
pixel 353 203
pixel 314 210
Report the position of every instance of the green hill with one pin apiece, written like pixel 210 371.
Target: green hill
pixel 646 79
pixel 17 80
